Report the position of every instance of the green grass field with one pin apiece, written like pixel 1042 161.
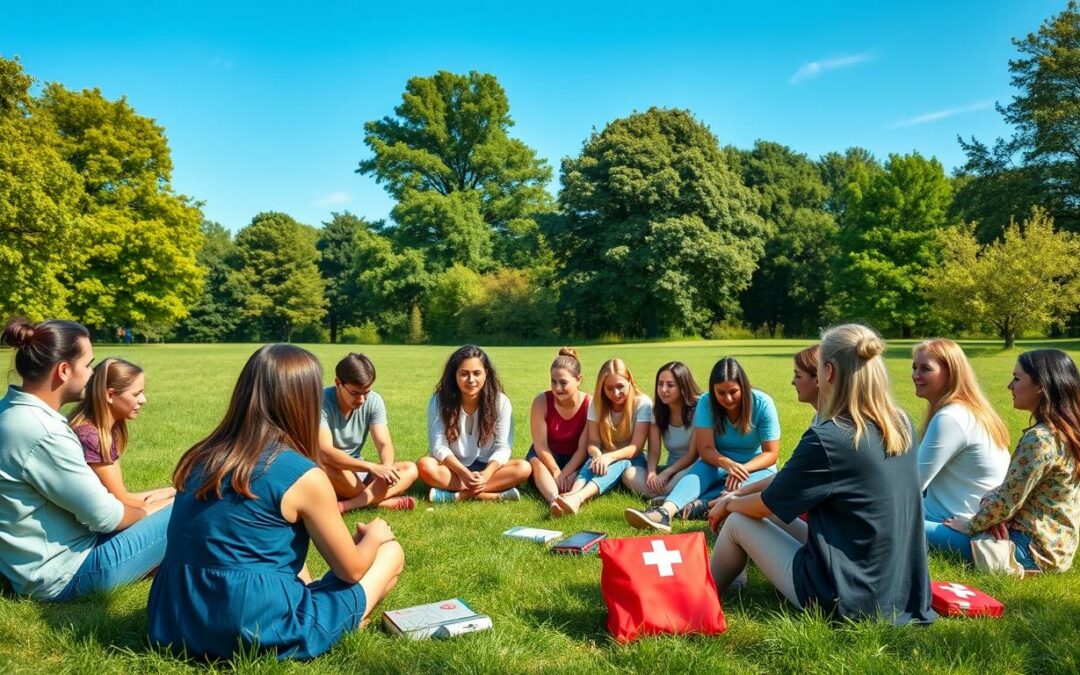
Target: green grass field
pixel 548 612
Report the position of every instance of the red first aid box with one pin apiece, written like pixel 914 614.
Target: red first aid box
pixel 949 598
pixel 659 585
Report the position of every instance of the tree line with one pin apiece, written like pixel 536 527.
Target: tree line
pixel 656 229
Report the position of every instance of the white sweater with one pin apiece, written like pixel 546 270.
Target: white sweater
pixel 958 463
pixel 467 447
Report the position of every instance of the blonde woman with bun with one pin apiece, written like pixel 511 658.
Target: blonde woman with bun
pixel 963 453
pixel 557 420
pixel 856 476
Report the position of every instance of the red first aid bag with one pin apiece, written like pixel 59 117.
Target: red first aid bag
pixel 657 585
pixel 953 599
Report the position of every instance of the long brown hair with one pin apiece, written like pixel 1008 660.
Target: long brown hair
pixel 728 369
pixel 275 405
pixel 609 432
pixel 962 388
pixel 117 375
pixel 1059 405
pixel 689 393
pixel 449 395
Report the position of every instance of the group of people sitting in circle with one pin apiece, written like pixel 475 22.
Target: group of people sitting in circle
pixel 844 524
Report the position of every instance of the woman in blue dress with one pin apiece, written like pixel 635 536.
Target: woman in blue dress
pixel 249 498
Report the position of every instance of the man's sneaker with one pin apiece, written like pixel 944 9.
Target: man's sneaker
pixel 651 519
pixel 438 496
pixel 511 495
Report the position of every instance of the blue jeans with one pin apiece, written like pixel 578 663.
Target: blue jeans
pixel 120 558
pixel 941 537
pixel 610 479
pixel 705 482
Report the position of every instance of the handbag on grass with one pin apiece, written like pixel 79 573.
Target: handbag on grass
pixel 659 585
pixel 953 599
pixel 997 556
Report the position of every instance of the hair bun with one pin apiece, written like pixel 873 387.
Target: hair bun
pixel 869 346
pixel 569 351
pixel 18 333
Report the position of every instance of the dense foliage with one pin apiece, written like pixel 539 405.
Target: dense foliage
pixel 656 230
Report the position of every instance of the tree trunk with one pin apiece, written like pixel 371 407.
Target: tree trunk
pixel 1009 333
pixel 288 331
pixel 333 329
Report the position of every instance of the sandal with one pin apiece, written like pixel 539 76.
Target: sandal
pixel 695 510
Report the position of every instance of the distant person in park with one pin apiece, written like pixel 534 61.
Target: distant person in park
pixel 115 394
pixel 471 434
pixel 557 421
pixel 619 417
pixel 62 534
pixel 251 496
pixel 351 412
pixel 675 397
pixel 964 449
pixel 856 474
pixel 1037 506
pixel 738 441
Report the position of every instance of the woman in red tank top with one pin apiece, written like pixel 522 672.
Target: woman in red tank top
pixel 557 420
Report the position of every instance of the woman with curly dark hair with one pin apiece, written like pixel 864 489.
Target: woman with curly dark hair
pixel 471 434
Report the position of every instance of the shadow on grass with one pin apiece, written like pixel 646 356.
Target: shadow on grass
pixel 586 619
pixel 102 619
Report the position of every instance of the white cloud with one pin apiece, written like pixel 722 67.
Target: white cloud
pixel 941 114
pixel 815 68
pixel 332 198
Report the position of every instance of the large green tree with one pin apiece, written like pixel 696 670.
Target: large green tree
pixel 337 246
pixel 1040 163
pixel 788 289
pixel 888 239
pixel 40 215
pixel 466 190
pixel 659 235
pixel 840 169
pixel 388 284
pixel 276 275
pixel 1026 281
pixel 217 316
pixel 139 238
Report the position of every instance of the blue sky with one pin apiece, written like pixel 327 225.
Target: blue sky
pixel 264 103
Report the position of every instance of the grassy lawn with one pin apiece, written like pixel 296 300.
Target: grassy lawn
pixel 548 611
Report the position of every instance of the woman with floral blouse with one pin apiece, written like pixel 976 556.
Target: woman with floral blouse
pixel 1038 505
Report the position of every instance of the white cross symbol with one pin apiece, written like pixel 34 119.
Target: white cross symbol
pixel 959 590
pixel 662 558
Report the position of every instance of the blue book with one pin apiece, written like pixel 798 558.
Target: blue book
pixel 536 534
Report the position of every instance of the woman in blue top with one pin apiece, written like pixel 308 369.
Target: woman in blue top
pixel 250 496
pixel 738 438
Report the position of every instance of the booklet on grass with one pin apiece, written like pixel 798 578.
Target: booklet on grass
pixel 580 543
pixel 540 536
pixel 443 619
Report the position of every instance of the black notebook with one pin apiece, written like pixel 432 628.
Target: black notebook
pixel 580 543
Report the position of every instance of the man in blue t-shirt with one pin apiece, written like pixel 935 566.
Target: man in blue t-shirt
pixel 350 413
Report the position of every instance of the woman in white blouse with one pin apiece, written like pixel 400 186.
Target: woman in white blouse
pixel 963 452
pixel 471 434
